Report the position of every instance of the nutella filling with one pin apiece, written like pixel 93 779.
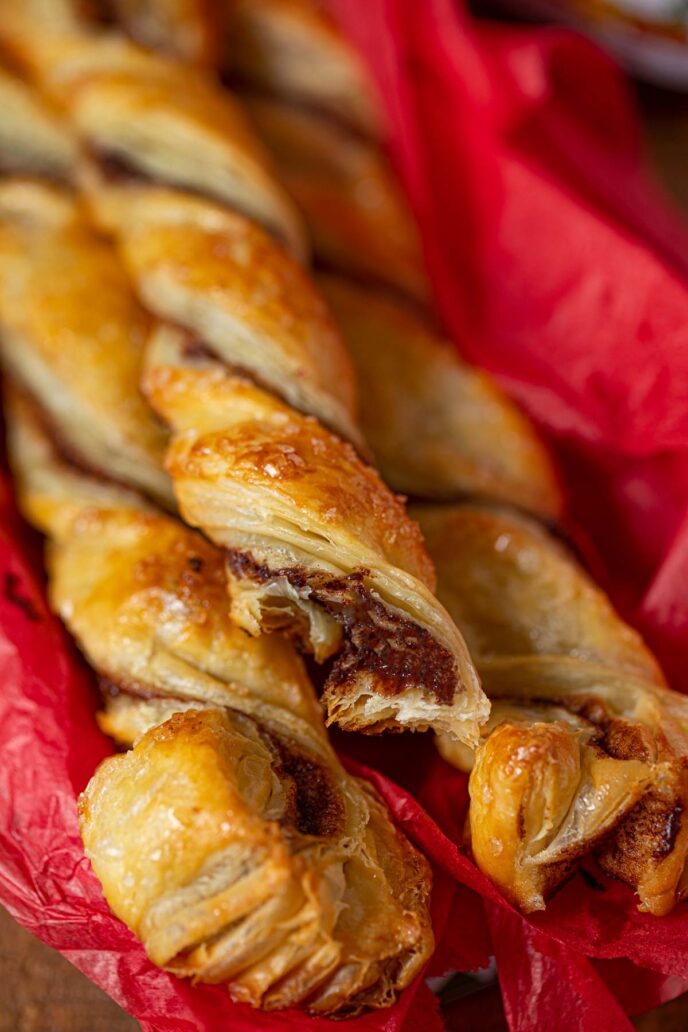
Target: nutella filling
pixel 396 652
pixel 313 804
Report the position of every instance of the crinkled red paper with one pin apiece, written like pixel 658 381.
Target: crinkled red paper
pixel 558 266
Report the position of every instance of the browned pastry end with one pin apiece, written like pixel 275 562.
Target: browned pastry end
pixel 585 750
pixel 292 50
pixel 229 838
pixel 291 504
pixel 238 861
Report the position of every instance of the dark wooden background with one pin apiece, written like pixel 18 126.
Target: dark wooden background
pixel 40 991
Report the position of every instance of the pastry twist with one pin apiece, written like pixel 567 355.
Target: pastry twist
pixel 585 749
pixel 437 428
pixel 229 838
pixel 185 29
pixel 247 370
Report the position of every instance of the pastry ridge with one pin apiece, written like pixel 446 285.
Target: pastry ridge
pixel 209 274
pixel 584 753
pixel 229 837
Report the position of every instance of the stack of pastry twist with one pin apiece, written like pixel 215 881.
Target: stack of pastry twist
pixel 584 753
pixel 229 838
pixel 274 870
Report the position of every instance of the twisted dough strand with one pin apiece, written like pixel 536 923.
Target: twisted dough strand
pixel 229 838
pixel 585 749
pixel 333 559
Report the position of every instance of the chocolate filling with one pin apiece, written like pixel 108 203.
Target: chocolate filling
pixel 669 831
pixel 316 807
pixel 313 803
pixel 116 168
pixel 66 451
pixel 395 651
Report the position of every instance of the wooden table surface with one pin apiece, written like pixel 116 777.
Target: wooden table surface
pixel 40 991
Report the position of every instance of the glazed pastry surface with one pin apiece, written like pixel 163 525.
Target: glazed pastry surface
pixel 229 838
pixel 73 335
pixel 316 544
pixel 439 428
pixel 291 506
pixel 585 750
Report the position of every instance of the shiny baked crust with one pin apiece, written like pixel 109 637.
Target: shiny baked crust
pixel 403 662
pixel 143 116
pixel 516 590
pixel 291 49
pixel 230 839
pixel 315 545
pixel 358 220
pixel 438 428
pixel 585 750
pixel 72 335
pixel 208 844
pixel 238 294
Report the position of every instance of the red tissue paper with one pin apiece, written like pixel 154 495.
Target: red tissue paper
pixel 557 266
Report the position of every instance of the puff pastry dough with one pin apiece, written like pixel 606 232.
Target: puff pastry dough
pixel 33 140
pixel 229 839
pixel 185 29
pixel 585 750
pixel 291 49
pixel 315 545
pixel 358 220
pixel 438 428
pixel 145 117
pixel 239 296
pixel 72 335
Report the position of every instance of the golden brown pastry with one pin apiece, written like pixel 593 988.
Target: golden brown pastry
pixel 585 749
pixel 316 544
pixel 32 137
pixel 185 29
pixel 145 117
pixel 72 335
pixel 256 866
pixel 229 839
pixel 439 429
pixel 291 49
pixel 358 220
pixel 239 296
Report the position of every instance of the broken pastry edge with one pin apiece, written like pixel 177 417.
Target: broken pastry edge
pixel 378 981
pixel 434 686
